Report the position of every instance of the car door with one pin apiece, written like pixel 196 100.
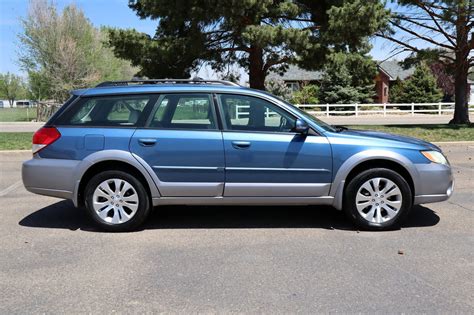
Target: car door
pixel 264 157
pixel 183 145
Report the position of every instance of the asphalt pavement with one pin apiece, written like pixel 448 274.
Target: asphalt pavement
pixel 235 259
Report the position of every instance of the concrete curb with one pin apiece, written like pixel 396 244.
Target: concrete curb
pixel 14 151
pixel 455 142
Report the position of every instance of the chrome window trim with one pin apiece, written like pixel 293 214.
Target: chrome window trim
pixel 162 95
pixel 221 117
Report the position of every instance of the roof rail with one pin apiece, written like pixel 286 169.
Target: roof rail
pixel 166 81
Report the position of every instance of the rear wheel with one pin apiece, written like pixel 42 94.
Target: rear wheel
pixel 378 199
pixel 117 201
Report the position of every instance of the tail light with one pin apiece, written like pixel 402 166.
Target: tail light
pixel 44 137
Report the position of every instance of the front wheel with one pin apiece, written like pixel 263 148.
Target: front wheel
pixel 117 201
pixel 377 199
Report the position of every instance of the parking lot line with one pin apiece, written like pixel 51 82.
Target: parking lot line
pixel 10 188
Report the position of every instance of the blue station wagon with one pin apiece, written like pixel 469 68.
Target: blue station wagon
pixel 121 148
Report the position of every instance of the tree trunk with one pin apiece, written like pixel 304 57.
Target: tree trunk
pixel 257 73
pixel 461 107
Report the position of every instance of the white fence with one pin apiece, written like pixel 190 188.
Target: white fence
pixel 242 111
pixel 383 109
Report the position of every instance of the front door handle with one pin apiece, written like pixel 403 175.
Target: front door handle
pixel 147 142
pixel 241 144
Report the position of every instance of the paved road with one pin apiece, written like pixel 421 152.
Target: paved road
pixel 334 120
pixel 231 259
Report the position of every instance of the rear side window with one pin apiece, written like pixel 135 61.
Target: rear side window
pixel 107 111
pixel 184 111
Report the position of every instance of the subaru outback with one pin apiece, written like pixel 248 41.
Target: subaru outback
pixel 124 147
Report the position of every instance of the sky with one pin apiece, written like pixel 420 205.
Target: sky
pixel 115 13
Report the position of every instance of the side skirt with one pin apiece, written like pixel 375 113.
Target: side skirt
pixel 247 201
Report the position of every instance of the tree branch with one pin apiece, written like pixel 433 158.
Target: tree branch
pixel 233 49
pixel 441 29
pixel 428 39
pixel 413 21
pixel 420 4
pixel 406 45
pixel 274 62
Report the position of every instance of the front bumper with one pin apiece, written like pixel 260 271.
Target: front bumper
pixel 50 177
pixel 435 183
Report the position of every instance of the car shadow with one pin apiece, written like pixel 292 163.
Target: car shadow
pixel 63 215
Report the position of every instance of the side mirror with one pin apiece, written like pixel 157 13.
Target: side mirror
pixel 301 126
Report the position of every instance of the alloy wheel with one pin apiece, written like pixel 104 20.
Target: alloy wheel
pixel 378 200
pixel 115 201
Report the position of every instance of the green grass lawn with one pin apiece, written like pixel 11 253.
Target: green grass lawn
pixel 433 133
pixel 17 114
pixel 15 140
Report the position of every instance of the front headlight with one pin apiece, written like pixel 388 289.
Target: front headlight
pixel 435 157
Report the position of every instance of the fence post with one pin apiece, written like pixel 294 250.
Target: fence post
pixel 27 115
pixel 384 109
pixel 327 110
pixel 439 108
pixel 413 109
pixel 356 109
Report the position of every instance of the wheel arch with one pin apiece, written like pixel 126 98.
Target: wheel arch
pixel 112 160
pixel 372 159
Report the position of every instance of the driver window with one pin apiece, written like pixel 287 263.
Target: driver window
pixel 254 114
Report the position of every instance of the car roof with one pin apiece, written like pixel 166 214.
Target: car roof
pixel 161 88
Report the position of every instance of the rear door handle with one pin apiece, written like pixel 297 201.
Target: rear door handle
pixel 147 142
pixel 241 144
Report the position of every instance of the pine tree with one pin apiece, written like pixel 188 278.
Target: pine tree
pixel 419 88
pixel 348 79
pixel 258 35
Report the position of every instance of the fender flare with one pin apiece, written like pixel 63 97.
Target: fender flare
pixel 337 188
pixel 120 156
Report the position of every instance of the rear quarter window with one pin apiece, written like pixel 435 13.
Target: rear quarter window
pixel 107 111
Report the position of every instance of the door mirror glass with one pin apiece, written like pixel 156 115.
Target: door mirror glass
pixel 301 126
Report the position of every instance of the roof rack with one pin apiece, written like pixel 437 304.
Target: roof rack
pixel 166 81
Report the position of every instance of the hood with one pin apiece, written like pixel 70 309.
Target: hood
pixel 376 135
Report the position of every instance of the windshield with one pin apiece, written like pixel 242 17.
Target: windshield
pixel 317 121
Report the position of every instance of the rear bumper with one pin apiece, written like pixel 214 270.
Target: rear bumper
pixel 50 177
pixel 436 183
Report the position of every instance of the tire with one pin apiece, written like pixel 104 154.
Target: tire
pixel 126 207
pixel 378 199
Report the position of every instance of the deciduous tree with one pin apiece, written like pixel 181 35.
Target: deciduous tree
pixel 11 87
pixel 66 49
pixel 39 87
pixel 308 94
